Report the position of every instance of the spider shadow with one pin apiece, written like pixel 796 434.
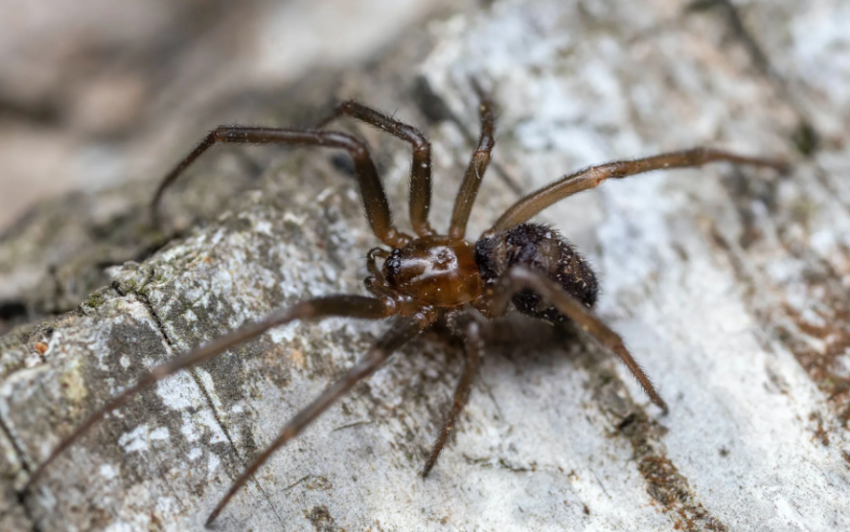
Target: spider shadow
pixel 517 348
pixel 528 342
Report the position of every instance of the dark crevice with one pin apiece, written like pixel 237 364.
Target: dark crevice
pixel 343 164
pixel 20 495
pixel 430 104
pixel 14 313
pixel 117 287
pixel 806 139
pixel 44 113
pixel 15 444
pixel 207 398
pixel 10 310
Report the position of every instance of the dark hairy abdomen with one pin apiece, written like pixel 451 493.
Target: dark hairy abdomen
pixel 542 249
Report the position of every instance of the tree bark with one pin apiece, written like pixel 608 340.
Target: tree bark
pixel 729 285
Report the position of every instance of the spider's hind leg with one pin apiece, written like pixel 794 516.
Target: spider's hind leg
pixel 520 278
pixel 473 349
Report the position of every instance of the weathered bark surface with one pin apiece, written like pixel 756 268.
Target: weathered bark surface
pixel 729 285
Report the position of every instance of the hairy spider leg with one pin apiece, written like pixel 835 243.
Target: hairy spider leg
pixel 371 190
pixel 591 177
pixel 420 172
pixel 519 278
pixel 477 165
pixel 473 349
pixel 350 306
pixel 401 332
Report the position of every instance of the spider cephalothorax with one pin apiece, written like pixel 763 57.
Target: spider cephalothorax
pixel 435 270
pixel 430 277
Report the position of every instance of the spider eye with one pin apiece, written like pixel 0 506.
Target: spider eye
pixel 392 266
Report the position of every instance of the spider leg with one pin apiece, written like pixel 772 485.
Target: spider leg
pixel 340 305
pixel 371 190
pixel 477 166
pixel 376 283
pixel 519 278
pixel 591 177
pixel 474 348
pixel 420 173
pixel 399 334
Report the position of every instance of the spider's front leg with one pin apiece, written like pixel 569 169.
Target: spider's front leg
pixel 530 205
pixel 402 331
pixel 350 306
pixel 519 278
pixel 371 190
pixel 420 170
pixel 477 165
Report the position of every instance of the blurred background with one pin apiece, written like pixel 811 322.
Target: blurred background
pixel 93 92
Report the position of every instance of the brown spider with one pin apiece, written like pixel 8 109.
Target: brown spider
pixel 431 277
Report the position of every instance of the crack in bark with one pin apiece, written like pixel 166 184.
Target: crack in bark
pixel 819 275
pixel 664 483
pixel 204 392
pixel 19 495
pixel 823 365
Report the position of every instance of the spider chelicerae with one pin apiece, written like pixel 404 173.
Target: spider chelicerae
pixel 430 277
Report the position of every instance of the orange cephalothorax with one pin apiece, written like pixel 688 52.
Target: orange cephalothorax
pixel 435 270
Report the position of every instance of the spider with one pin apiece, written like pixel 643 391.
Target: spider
pixel 430 277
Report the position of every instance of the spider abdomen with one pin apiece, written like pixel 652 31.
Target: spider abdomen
pixel 542 249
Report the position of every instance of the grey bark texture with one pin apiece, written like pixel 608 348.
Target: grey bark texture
pixel 729 285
